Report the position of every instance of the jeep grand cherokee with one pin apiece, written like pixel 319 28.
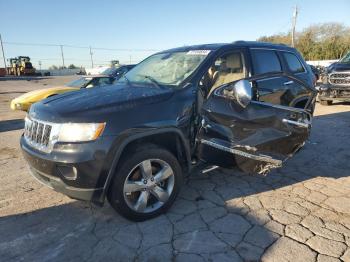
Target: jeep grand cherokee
pixel 244 104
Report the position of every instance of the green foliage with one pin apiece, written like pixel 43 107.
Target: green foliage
pixel 71 66
pixel 53 67
pixel 317 42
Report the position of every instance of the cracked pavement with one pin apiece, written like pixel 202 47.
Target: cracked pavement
pixel 300 212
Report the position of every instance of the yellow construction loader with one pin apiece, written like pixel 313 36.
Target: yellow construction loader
pixel 20 66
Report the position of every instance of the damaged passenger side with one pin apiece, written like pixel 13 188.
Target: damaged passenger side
pixel 243 126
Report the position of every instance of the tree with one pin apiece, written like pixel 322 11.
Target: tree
pixel 317 42
pixel 53 67
pixel 71 66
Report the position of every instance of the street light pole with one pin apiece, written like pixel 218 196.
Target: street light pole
pixel 294 22
pixel 92 61
pixel 62 56
pixel 3 53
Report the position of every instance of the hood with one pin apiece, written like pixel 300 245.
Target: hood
pixel 32 96
pixel 92 102
pixel 338 67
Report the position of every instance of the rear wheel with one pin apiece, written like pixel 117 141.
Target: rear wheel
pixel 146 184
pixel 326 102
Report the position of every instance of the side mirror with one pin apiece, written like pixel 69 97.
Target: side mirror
pixel 89 86
pixel 241 91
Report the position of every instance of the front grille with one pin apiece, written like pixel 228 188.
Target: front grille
pixel 37 133
pixel 340 79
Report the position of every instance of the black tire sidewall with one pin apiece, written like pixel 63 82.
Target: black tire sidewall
pixel 127 163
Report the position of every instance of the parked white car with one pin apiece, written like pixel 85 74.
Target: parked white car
pixel 96 70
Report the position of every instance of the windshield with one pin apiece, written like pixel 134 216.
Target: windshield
pixel 79 82
pixel 345 59
pixel 170 68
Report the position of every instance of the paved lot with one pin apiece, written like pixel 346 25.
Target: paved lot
pixel 300 212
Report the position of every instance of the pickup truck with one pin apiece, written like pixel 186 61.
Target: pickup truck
pixel 336 82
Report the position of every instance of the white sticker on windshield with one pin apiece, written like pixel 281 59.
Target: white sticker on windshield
pixel 198 52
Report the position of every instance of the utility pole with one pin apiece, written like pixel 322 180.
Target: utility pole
pixel 40 65
pixel 92 61
pixel 62 56
pixel 3 53
pixel 294 22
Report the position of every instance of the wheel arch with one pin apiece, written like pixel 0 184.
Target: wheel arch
pixel 168 138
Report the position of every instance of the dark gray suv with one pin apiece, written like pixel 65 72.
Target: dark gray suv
pixel 244 104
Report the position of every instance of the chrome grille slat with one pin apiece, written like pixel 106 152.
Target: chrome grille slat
pixel 35 127
pixel 37 133
pixel 340 79
pixel 46 135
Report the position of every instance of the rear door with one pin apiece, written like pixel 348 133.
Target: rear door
pixel 256 138
pixel 296 67
pixel 267 62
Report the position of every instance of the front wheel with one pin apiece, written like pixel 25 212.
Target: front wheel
pixel 145 184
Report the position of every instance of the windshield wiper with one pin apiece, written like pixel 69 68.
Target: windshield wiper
pixel 155 82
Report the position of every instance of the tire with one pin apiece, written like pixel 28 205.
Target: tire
pixel 326 102
pixel 128 202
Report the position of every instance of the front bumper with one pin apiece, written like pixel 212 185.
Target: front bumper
pixel 330 92
pixel 58 185
pixel 76 170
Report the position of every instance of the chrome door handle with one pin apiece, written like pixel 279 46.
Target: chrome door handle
pixel 305 124
pixel 288 83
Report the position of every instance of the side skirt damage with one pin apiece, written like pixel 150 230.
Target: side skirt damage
pixel 266 163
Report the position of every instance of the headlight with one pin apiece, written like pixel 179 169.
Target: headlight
pixel 80 132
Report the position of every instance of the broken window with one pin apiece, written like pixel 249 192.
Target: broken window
pixel 226 69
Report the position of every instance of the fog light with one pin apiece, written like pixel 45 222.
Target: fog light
pixel 68 172
pixel 323 88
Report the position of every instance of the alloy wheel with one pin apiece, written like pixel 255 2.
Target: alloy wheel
pixel 149 185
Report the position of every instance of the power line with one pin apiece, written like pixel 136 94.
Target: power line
pixel 90 50
pixel 284 27
pixel 83 47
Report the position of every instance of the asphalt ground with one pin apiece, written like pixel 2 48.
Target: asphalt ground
pixel 300 212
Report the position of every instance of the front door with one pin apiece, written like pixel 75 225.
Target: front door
pixel 255 137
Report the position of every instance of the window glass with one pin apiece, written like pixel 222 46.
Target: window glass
pixel 225 69
pixel 345 59
pixel 120 72
pixel 109 71
pixel 293 62
pixel 79 82
pixel 265 61
pixel 170 68
pixel 105 81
